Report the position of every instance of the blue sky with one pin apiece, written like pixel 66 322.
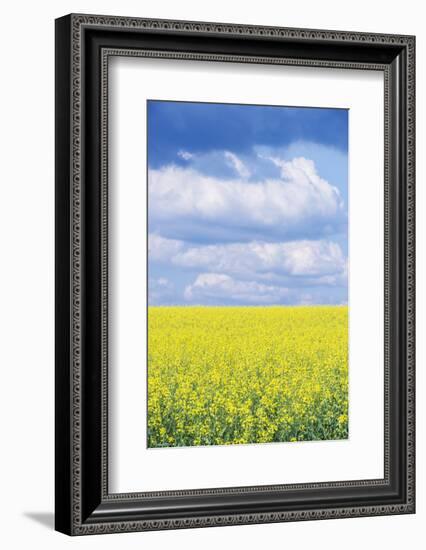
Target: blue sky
pixel 247 205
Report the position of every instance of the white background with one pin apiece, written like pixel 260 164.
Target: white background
pixel 26 302
pixel 132 81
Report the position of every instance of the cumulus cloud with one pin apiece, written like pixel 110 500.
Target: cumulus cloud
pixel 251 273
pixel 253 228
pixel 297 258
pixel 322 259
pixel 237 164
pixel 161 249
pixel 219 286
pixel 189 204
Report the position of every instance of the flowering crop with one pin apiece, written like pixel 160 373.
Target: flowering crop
pixel 228 375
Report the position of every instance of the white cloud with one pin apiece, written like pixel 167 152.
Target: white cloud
pixel 300 203
pixel 252 229
pixel 254 272
pixel 296 258
pixel 185 155
pixel 222 287
pixel 322 259
pixel 237 164
pixel 161 249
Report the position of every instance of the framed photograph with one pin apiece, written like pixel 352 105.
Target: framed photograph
pixel 234 274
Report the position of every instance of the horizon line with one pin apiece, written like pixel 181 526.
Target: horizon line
pixel 248 305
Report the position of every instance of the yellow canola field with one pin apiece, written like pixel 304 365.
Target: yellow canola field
pixel 228 375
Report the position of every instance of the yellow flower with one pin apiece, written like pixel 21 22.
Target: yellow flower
pixel 233 375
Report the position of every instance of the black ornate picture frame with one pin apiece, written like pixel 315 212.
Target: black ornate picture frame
pixel 84 43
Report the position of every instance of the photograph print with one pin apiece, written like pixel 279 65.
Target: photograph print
pixel 247 274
